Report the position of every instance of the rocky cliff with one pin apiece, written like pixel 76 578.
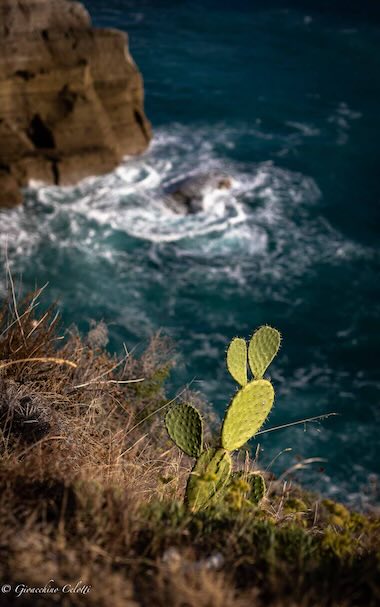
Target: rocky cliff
pixel 71 96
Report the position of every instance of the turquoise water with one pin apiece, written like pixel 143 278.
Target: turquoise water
pixel 285 99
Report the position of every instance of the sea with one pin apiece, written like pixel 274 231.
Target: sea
pixel 283 97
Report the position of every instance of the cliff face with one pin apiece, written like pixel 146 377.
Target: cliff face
pixel 71 97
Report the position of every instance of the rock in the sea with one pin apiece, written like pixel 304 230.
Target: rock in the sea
pixel 187 196
pixel 71 96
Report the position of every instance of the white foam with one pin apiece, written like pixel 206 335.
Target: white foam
pixel 306 129
pixel 265 213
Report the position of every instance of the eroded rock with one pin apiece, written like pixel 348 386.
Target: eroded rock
pixel 71 96
pixel 187 195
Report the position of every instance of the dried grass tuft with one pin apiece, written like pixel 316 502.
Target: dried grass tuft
pixel 91 490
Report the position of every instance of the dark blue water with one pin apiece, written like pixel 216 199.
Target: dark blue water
pixel 285 98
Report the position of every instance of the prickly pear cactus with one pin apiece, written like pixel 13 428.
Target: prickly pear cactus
pixel 236 492
pixel 262 349
pixel 244 489
pixel 185 428
pixel 237 360
pixel 246 414
pixel 208 477
pixel 257 488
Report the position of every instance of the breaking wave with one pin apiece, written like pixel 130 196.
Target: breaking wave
pixel 268 212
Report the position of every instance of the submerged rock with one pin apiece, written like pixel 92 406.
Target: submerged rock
pixel 71 96
pixel 187 196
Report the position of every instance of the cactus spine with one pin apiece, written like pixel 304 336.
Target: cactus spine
pixel 248 410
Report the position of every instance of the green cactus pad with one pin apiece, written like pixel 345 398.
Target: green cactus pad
pixel 237 360
pixel 257 488
pixel 185 428
pixel 246 414
pixel 262 349
pixel 209 475
pixel 243 489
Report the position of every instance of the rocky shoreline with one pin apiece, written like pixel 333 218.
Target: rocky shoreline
pixel 71 97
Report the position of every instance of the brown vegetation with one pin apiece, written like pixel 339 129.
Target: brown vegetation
pixel 91 490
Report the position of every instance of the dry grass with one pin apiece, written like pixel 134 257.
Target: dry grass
pixel 91 490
